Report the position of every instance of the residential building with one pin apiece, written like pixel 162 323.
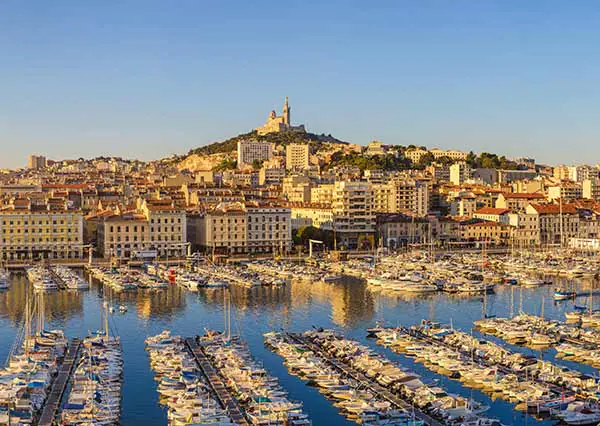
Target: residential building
pixel 459 173
pixel 235 228
pixel 270 176
pixel 47 231
pixel 591 189
pixel 354 220
pixel 489 232
pixel 322 194
pixel 315 215
pixel 526 231
pixel 397 230
pixel 549 218
pixel 297 156
pixel 566 190
pixel 439 171
pixel 297 189
pixel 492 214
pixel 508 176
pixel 516 201
pixel 156 226
pixel 250 150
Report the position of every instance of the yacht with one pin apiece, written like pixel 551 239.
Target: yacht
pixel 4 280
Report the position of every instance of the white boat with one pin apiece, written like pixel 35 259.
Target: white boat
pixel 4 280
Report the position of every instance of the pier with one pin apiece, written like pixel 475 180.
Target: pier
pixel 502 368
pixel 59 385
pixel 228 402
pixel 364 380
pixel 58 280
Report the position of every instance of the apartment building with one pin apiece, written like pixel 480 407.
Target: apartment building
pixel 567 191
pixel 398 230
pixel 492 214
pixel 297 189
pixel 352 209
pixel 549 218
pixel 516 201
pixel 156 227
pixel 297 156
pixel 315 215
pixel 249 151
pixel 235 228
pixel 32 232
pixel 459 173
pixel 591 189
pixel 322 194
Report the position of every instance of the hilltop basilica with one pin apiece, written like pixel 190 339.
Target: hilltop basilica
pixel 281 123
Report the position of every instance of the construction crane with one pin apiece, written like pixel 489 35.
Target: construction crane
pixel 310 246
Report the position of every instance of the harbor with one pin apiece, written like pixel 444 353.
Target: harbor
pixel 348 305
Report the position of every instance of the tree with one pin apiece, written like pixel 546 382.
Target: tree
pixel 257 164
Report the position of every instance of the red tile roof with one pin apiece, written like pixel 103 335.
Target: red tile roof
pixel 491 210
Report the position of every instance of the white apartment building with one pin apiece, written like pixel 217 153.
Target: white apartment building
pixel 566 190
pixel 352 209
pixel 459 173
pixel 297 156
pixel 591 189
pixel 249 151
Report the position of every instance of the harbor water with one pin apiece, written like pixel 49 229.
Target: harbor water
pixel 349 307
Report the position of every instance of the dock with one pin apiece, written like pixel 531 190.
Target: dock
pixel 502 368
pixel 59 385
pixel 364 380
pixel 58 280
pixel 227 401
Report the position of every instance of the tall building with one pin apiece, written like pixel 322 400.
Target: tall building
pixel 36 162
pixel 591 189
pixel 352 209
pixel 281 123
pixel 297 156
pixel 249 151
pixel 459 173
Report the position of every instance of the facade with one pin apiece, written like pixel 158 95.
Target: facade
pixel 154 226
pixel 567 190
pixel 236 228
pixel 516 201
pixel 491 214
pixel 526 231
pixel 281 123
pixel 250 150
pixel 36 162
pixel 316 215
pixel 297 156
pixel 375 148
pixel 271 176
pixel 352 209
pixel 459 173
pixel 493 233
pixel 297 189
pixel 398 230
pixel 591 189
pixel 549 218
pixel 322 194
pixel 31 232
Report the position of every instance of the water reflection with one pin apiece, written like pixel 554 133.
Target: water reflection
pixel 58 305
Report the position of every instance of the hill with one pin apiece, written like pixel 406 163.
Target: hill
pixel 283 138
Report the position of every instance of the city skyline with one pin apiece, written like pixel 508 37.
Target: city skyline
pixel 147 82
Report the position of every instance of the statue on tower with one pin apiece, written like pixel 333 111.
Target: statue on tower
pixel 286 113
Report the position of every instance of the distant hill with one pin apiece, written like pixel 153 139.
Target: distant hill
pixel 283 138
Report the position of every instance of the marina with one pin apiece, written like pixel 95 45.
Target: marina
pixel 348 305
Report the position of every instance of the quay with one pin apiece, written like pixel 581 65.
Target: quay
pixel 364 380
pixel 59 385
pixel 227 401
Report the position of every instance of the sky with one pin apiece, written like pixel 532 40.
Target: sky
pixel 146 79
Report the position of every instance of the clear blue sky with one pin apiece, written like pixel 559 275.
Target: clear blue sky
pixel 148 78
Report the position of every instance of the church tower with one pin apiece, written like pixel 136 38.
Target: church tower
pixel 286 113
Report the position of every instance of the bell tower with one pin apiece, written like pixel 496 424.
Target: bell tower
pixel 286 113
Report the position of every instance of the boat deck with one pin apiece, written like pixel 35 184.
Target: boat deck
pixel 52 404
pixel 368 383
pixel 227 401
